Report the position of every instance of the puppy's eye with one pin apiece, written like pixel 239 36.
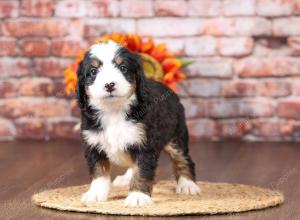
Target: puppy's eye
pixel 123 68
pixel 93 72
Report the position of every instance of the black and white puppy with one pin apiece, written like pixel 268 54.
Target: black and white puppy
pixel 127 120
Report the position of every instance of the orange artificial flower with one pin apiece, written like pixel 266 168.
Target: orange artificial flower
pixel 147 46
pixel 133 42
pixel 171 64
pixel 160 52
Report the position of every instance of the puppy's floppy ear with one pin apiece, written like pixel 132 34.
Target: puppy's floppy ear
pixel 80 87
pixel 141 88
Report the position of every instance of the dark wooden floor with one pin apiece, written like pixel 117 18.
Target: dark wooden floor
pixel 27 167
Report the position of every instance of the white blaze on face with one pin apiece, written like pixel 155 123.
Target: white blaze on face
pixel 108 73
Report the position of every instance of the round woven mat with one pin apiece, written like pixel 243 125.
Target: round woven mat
pixel 215 198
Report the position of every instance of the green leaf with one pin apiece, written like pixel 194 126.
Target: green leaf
pixel 186 62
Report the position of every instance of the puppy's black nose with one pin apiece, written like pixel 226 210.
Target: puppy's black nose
pixel 109 87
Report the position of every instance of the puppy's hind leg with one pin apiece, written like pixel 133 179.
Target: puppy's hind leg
pixel 183 166
pixel 125 179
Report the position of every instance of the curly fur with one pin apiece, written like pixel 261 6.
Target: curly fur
pixel 135 132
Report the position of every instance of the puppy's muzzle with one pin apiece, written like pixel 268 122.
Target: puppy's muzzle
pixel 110 87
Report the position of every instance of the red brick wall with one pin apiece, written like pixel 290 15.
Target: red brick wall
pixel 244 83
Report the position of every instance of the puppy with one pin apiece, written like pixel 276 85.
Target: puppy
pixel 127 120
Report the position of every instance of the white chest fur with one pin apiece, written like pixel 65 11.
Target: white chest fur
pixel 117 134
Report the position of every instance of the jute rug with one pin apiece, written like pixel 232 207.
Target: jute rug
pixel 215 198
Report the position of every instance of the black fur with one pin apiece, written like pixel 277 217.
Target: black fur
pixel 157 107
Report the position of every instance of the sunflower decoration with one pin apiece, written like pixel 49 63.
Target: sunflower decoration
pixel 159 64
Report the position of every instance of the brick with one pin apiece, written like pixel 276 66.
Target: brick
pixel 238 89
pixel 266 128
pixel 103 8
pixel 224 109
pixel 275 7
pixel 294 45
pixel 239 7
pixel 8 8
pixel 98 27
pixel 232 128
pixel 204 8
pixel 210 68
pixel 296 10
pixel 67 48
pixel 263 51
pixel 51 67
pixel 268 67
pixel 8 88
pixel 247 26
pixel 200 46
pixel 75 111
pixel 136 8
pixel 64 129
pixel 272 46
pixel 274 89
pixel 59 89
pixel 286 26
pixel 36 87
pixel 164 27
pixel 201 128
pixel 30 107
pixel 39 8
pixel 30 128
pixel 289 109
pixel 295 130
pixel 176 45
pixel 10 67
pixel 286 127
pixel 181 90
pixel 272 42
pixel 8 46
pixel 45 27
pixel 235 46
pixel 202 87
pixel 296 88
pixel 241 108
pixel 34 47
pixel 170 8
pixel 195 108
pixel 7 130
pixel 71 8
pixel 291 129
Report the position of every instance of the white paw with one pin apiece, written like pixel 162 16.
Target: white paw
pixel 98 191
pixel 138 199
pixel 123 180
pixel 187 187
pixel 94 196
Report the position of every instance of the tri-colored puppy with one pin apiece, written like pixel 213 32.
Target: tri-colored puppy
pixel 127 120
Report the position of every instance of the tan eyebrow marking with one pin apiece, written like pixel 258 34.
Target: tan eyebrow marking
pixel 118 60
pixel 96 63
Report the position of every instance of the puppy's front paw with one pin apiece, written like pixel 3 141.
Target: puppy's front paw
pixel 94 196
pixel 98 191
pixel 187 187
pixel 138 199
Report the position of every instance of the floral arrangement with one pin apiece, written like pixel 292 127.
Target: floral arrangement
pixel 159 64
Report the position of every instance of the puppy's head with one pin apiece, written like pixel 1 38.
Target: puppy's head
pixel 109 75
